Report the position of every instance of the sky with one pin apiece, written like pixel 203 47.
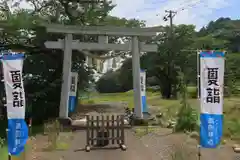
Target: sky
pixel 197 12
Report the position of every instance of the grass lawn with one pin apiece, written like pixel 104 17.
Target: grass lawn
pixel 3 153
pixel 126 97
pixel 170 107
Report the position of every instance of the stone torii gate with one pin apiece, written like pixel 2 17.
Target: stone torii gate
pixel 68 44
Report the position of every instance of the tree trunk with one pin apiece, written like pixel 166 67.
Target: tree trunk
pixel 166 90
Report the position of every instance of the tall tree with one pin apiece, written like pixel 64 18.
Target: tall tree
pixel 165 67
pixel 43 67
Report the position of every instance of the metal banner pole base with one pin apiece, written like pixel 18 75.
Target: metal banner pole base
pixel 9 155
pixel 199 152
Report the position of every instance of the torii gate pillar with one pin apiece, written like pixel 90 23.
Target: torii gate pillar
pixel 68 45
pixel 67 66
pixel 136 77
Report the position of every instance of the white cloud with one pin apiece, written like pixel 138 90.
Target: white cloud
pixel 196 12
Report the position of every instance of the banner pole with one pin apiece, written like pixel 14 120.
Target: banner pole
pixel 198 74
pixel 9 155
pixel 30 127
pixel 198 92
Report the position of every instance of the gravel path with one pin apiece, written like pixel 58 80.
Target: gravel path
pixel 136 150
pixel 154 146
pixel 164 144
pixel 158 145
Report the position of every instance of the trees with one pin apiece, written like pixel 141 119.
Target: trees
pixel 165 65
pixel 118 81
pixel 171 59
pixel 109 83
pixel 225 33
pixel 179 55
pixel 43 67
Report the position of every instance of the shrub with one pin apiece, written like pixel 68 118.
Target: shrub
pixel 192 92
pixel 90 101
pixel 187 116
pixel 2 141
pixel 187 119
pixel 109 83
pixel 153 89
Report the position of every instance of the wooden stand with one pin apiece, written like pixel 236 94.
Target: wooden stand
pixel 100 132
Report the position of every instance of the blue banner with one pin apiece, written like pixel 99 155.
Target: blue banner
pixel 72 100
pixel 71 103
pixel 11 56
pixel 17 136
pixel 143 91
pixel 144 104
pixel 211 130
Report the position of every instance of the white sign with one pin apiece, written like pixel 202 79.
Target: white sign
pixel 212 81
pixel 73 92
pixel 17 127
pixel 143 90
pixel 73 85
pixel 212 84
pixel 15 95
pixel 143 82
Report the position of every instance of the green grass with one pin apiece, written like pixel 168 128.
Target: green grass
pixel 126 97
pixel 171 107
pixel 141 131
pixel 62 146
pixel 3 153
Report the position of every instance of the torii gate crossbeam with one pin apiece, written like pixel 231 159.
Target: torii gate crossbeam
pixel 103 32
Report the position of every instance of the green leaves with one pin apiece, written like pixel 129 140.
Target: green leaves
pixel 43 67
pixel 171 59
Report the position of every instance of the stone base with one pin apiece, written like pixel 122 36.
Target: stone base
pixel 65 121
pixel 140 122
pixel 146 115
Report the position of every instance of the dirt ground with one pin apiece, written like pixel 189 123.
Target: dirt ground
pixel 161 144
